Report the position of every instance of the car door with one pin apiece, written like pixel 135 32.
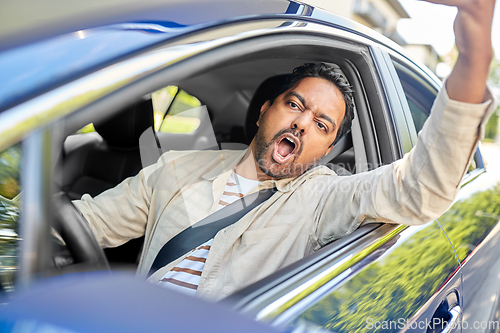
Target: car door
pixel 417 91
pixel 471 223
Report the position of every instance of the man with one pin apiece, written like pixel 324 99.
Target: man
pixel 311 206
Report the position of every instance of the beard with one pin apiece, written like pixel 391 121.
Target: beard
pixel 264 156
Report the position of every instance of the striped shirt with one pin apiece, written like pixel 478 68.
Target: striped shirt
pixel 185 277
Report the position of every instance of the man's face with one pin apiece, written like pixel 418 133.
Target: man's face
pixel 298 128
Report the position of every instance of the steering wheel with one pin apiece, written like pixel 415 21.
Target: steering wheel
pixel 76 233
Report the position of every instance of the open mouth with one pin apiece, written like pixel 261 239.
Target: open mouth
pixel 285 148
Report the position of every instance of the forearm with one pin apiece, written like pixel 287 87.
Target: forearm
pixel 467 82
pixel 419 187
pixel 424 183
pixel 118 214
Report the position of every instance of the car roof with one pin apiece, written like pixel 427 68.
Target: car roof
pixel 27 21
pixel 37 57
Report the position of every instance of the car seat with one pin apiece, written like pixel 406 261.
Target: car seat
pixel 95 162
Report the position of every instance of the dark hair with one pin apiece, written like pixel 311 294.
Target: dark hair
pixel 328 73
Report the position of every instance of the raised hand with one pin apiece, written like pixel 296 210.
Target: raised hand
pixel 472 27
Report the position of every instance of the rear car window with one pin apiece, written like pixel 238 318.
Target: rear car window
pixel 175 110
pixel 419 95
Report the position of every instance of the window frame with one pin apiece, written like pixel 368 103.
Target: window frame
pixel 427 82
pixel 418 78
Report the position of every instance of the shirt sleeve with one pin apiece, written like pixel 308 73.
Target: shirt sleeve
pixel 120 213
pixel 417 188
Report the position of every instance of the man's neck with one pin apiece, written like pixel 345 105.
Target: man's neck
pixel 248 167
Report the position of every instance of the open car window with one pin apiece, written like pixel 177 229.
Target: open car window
pixel 96 164
pixel 206 110
pixel 419 94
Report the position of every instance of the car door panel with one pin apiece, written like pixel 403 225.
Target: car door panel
pixel 472 224
pixel 397 287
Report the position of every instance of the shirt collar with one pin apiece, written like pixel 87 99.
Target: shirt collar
pixel 228 161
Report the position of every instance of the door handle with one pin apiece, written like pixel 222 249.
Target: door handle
pixel 445 320
pixel 453 322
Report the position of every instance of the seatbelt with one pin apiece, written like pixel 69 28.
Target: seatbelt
pixel 208 227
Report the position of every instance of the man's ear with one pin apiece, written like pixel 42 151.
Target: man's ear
pixel 263 110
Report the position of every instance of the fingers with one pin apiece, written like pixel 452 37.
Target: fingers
pixel 469 5
pixel 455 3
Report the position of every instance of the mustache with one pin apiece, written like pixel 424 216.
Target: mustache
pixel 292 131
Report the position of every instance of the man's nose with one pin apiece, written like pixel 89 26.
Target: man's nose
pixel 303 122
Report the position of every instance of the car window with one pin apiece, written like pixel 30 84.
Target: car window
pixel 418 93
pixel 175 110
pixel 86 129
pixel 10 189
pixel 420 97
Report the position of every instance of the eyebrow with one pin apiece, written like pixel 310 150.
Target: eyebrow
pixel 330 120
pixel 321 115
pixel 299 97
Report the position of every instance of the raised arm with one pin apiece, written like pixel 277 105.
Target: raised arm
pixel 423 184
pixel 467 81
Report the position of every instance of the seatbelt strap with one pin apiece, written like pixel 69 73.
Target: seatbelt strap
pixel 208 227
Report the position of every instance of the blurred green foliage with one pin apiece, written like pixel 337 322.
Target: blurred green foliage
pixel 9 217
pixel 394 287
pixel 398 284
pixel 10 172
pixel 491 129
pixel 468 221
pixel 183 103
pixel 179 124
pixel 86 129
pixel 10 167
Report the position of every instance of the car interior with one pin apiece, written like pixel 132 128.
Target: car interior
pixel 228 97
pixel 96 161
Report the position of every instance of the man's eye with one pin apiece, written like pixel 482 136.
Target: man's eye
pixel 293 105
pixel 321 126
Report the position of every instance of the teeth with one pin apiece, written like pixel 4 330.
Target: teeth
pixel 289 140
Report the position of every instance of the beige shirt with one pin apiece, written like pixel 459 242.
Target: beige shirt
pixel 305 213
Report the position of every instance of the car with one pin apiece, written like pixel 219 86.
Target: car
pixel 89 103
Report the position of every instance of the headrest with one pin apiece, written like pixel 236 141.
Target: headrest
pixel 124 129
pixel 269 89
